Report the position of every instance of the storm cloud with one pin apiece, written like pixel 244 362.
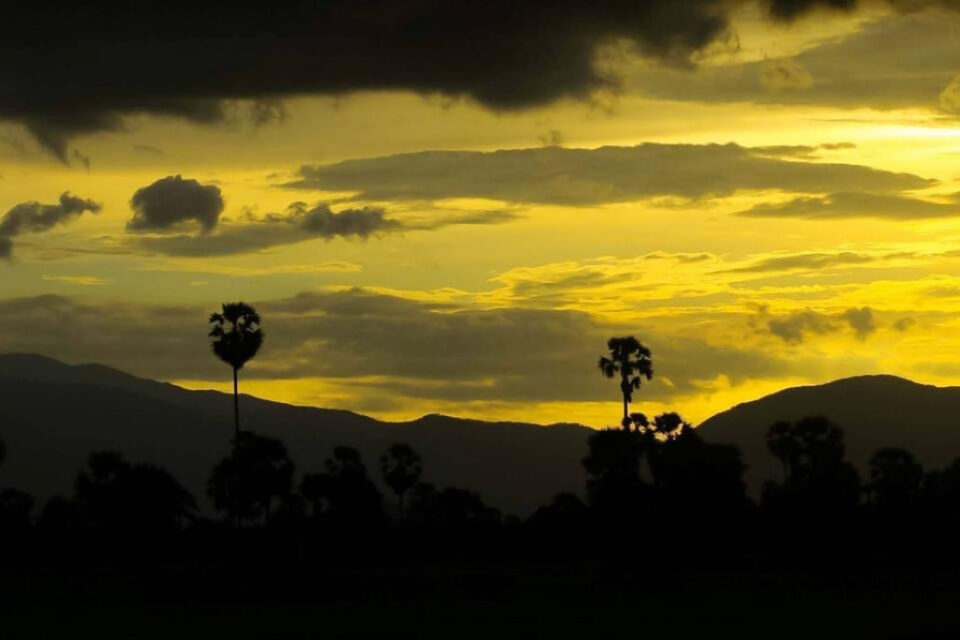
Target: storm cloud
pixel 184 59
pixel 583 177
pixel 173 200
pixel 33 217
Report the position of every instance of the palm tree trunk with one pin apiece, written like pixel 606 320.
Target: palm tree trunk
pixel 625 390
pixel 236 407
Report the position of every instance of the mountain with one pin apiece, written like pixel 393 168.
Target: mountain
pixel 874 411
pixel 52 415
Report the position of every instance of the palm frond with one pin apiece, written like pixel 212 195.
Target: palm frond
pixel 607 366
pixel 237 336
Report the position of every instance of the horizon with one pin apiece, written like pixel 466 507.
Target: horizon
pixel 226 390
pixel 766 198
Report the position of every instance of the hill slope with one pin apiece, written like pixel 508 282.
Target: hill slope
pixel 52 415
pixel 874 412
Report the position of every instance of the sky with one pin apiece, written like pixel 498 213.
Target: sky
pixel 449 208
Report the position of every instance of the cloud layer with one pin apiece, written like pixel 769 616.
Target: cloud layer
pixel 855 205
pixel 896 61
pixel 412 348
pixel 577 177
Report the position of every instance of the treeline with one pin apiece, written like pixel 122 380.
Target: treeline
pixel 657 496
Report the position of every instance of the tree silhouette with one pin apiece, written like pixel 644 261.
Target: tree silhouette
pixel 120 498
pixel 561 523
pixel 695 479
pixel 237 336
pixel 805 447
pixel 895 481
pixel 818 485
pixel 401 468
pixel 353 496
pixel 615 491
pixel 343 492
pixel 632 362
pixel 451 508
pixel 245 484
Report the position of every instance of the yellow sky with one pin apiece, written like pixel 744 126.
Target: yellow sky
pixel 502 318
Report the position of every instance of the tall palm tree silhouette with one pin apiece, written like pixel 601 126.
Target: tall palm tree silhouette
pixel 632 361
pixel 237 337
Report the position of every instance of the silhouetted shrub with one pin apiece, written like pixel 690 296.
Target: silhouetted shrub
pixel 256 476
pixel 119 499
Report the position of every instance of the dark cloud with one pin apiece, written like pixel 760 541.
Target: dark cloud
pixel 899 61
pixel 62 107
pixel 301 222
pixel 297 224
pixel 267 111
pixel 855 205
pixel 81 158
pixel 791 9
pixel 861 321
pixel 321 221
pixel 578 177
pixel 903 324
pixel 170 201
pixel 794 327
pixel 33 217
pixel 183 59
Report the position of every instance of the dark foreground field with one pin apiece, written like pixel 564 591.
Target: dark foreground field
pixel 483 601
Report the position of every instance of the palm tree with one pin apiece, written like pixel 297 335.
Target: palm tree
pixel 237 337
pixel 632 361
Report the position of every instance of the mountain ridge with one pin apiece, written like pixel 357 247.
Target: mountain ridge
pixel 53 414
pixel 875 411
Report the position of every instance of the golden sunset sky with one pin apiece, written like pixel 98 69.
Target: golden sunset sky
pixel 777 206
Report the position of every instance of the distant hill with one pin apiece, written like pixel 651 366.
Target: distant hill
pixel 874 412
pixel 53 414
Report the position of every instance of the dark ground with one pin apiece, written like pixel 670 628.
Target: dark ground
pixel 443 601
